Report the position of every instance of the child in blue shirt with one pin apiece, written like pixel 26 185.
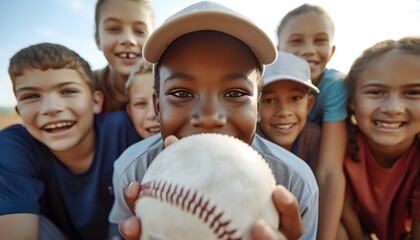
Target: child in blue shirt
pixel 56 169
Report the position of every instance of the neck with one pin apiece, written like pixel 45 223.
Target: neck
pixel 117 81
pixel 386 156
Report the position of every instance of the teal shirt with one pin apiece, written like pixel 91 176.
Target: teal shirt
pixel 330 104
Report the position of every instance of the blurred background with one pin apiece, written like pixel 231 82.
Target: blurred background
pixel 359 24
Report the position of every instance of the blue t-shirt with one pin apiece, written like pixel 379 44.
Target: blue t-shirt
pixel 330 104
pixel 32 180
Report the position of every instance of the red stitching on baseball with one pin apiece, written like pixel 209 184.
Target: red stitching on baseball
pixel 196 206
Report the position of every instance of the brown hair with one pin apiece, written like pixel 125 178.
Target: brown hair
pixel 141 67
pixel 100 3
pixel 409 45
pixel 45 56
pixel 304 9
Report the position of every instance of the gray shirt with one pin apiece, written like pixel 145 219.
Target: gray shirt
pixel 289 171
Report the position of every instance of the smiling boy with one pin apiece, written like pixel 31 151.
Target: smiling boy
pixel 56 169
pixel 209 62
pixel 286 101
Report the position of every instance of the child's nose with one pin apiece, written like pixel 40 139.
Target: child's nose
pixel 392 105
pixel 208 114
pixel 151 114
pixel 128 38
pixel 51 104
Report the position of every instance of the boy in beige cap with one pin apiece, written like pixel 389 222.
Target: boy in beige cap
pixel 209 62
pixel 286 101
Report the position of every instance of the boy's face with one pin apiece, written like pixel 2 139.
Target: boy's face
pixel 386 101
pixel 57 107
pixel 284 108
pixel 122 31
pixel 208 84
pixel 140 106
pixel 310 36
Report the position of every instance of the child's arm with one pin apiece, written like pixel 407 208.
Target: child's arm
pixel 331 179
pixel 19 226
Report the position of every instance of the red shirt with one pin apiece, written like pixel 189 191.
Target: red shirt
pixel 386 199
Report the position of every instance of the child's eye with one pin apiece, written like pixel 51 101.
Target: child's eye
pixel 296 98
pixel 413 93
pixel 181 94
pixel 112 29
pixel 375 92
pixel 69 91
pixel 140 104
pixel 141 32
pixel 321 41
pixel 268 101
pixel 29 97
pixel 235 94
pixel 295 41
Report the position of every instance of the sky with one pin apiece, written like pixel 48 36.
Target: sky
pixel 359 24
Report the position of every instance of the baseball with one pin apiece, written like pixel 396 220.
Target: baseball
pixel 206 186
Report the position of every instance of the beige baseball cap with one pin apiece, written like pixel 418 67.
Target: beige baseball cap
pixel 208 15
pixel 289 67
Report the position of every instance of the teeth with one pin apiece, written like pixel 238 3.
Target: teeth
pixel 58 125
pixel 285 126
pixel 127 55
pixel 388 125
pixel 154 129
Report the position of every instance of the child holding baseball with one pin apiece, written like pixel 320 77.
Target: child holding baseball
pixel 208 74
pixel 139 90
pixel 308 32
pixel 382 160
pixel 56 169
pixel 286 101
pixel 121 27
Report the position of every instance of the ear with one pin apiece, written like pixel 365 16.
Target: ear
pixel 332 51
pixel 350 104
pixel 128 110
pixel 311 102
pixel 17 110
pixel 98 100
pixel 156 106
pixel 98 41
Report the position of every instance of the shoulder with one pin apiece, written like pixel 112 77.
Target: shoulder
pixel 287 168
pixel 16 135
pixel 138 154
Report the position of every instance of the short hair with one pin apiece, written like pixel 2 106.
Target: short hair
pixel 141 67
pixel 46 56
pixel 304 9
pixel 146 4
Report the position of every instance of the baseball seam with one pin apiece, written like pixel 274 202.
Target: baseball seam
pixel 190 202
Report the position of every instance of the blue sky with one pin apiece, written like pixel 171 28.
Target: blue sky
pixel 359 24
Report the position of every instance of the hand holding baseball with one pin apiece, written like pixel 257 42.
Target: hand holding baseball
pixel 284 201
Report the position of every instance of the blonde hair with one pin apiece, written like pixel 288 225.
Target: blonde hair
pixel 141 67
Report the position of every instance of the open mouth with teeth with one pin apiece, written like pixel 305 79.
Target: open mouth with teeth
pixel 385 125
pixel 284 127
pixel 153 130
pixel 128 55
pixel 54 127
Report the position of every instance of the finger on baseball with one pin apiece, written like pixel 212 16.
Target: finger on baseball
pixel 131 194
pixel 130 228
pixel 262 231
pixel 169 140
pixel 288 208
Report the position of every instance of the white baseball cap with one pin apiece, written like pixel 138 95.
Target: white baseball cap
pixel 289 67
pixel 211 16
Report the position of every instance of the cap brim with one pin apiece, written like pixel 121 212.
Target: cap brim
pixel 238 27
pixel 284 77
